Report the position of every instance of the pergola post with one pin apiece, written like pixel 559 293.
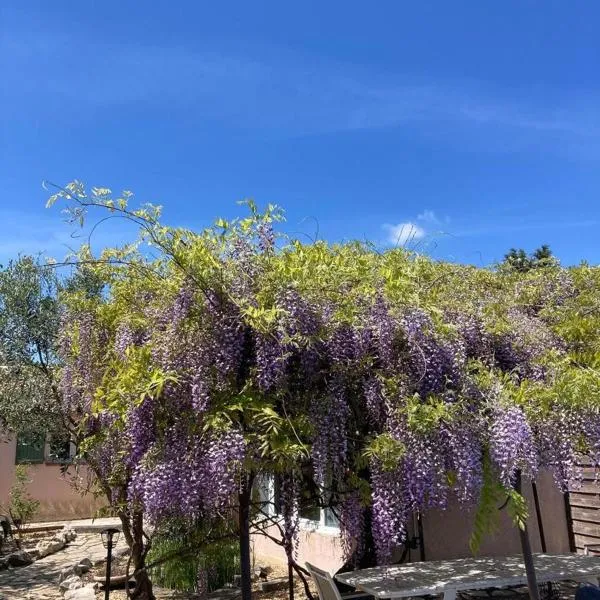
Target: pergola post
pixel 532 585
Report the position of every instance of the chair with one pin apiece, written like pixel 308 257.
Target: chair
pixel 326 586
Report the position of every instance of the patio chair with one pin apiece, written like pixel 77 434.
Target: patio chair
pixel 327 588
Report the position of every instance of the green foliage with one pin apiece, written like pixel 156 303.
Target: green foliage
pixel 494 496
pixel 385 449
pixel 22 507
pixel 29 320
pixel 518 260
pixel 116 285
pixel 129 381
pixel 216 563
pixel 517 508
pixel 487 514
pixel 426 416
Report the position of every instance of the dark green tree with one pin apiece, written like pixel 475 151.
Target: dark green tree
pixel 29 323
pixel 517 259
pixel 542 257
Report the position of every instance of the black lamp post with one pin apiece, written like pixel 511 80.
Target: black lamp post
pixel 110 536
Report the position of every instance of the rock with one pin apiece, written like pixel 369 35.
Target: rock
pixel 73 582
pixel 63 536
pixel 274 584
pixel 83 566
pixel 260 572
pixel 224 594
pixel 19 559
pixel 116 581
pixel 86 562
pixel 3 564
pixel 47 547
pixel 84 593
pixel 68 534
pixel 65 574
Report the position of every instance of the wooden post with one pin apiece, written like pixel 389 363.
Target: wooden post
pixel 538 514
pixel 534 593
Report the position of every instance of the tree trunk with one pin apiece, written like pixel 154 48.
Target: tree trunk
pixel 534 593
pixel 245 497
pixel 290 580
pixel 133 530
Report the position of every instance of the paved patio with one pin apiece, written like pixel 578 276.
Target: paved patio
pixel 39 581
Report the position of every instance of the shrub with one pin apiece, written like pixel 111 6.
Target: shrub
pixel 205 570
pixel 21 505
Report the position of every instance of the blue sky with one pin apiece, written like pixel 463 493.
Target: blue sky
pixel 468 127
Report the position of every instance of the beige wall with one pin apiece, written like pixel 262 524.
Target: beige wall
pixel 55 491
pixel 446 534
pixel 319 546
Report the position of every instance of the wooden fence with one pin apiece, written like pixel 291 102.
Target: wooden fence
pixel 584 502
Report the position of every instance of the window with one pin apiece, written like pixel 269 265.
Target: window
pixel 30 448
pixel 311 514
pixel 61 450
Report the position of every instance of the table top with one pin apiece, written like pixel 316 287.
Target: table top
pixel 414 579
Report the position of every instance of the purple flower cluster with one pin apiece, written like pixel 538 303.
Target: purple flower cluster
pixel 330 443
pixel 352 525
pixel 140 430
pixel 461 440
pixel 521 348
pixel 194 476
pixel 390 513
pixel 270 361
pixel 375 401
pixel 435 364
pixel 384 331
pixel 512 444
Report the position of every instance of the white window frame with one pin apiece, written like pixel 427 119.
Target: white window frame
pixel 267 487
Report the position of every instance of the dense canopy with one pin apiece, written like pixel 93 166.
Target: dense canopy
pixel 390 381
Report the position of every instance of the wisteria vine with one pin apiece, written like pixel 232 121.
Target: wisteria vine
pixel 394 390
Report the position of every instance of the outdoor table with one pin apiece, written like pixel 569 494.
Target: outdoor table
pixel 450 576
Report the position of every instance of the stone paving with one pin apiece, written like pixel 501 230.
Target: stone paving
pixel 39 581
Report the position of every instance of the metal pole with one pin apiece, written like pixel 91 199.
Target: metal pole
pixel 421 538
pixel 108 567
pixel 538 514
pixel 534 593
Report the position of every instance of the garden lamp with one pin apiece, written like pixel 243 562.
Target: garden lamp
pixel 110 536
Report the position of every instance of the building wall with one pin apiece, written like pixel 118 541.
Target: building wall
pixel 59 500
pixel 446 534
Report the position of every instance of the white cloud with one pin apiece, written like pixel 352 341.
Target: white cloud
pixel 403 233
pixel 428 216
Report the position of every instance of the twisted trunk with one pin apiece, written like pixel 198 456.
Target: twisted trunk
pixel 133 531
pixel 245 498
